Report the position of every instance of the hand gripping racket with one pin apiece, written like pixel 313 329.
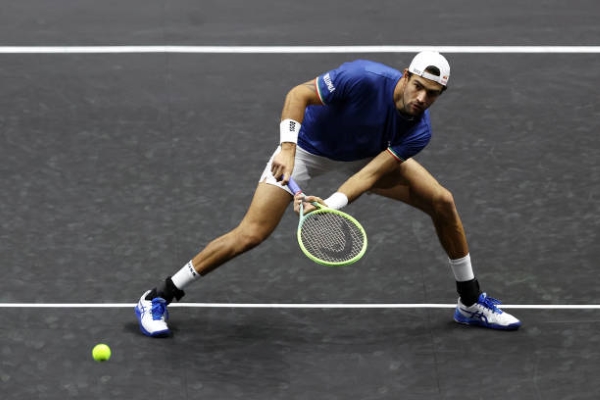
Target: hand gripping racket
pixel 329 237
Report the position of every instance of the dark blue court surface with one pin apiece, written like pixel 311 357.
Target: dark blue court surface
pixel 117 168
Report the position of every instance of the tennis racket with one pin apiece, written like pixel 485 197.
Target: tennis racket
pixel 329 237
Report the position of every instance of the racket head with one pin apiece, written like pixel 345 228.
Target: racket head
pixel 331 237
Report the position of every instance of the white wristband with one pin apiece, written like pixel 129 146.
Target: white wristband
pixel 337 201
pixel 288 131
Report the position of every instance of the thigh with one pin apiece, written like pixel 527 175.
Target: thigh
pixel 266 209
pixel 410 183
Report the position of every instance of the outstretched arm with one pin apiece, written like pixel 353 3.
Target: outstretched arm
pixel 367 177
pixel 359 183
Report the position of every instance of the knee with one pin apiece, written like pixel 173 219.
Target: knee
pixel 443 204
pixel 249 237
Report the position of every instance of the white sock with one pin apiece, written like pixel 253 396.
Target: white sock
pixel 462 269
pixel 186 275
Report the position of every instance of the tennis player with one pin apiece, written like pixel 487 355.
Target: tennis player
pixel 368 120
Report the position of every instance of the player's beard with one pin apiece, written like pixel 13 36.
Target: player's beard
pixel 407 108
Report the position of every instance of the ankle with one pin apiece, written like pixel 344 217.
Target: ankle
pixel 168 291
pixel 468 291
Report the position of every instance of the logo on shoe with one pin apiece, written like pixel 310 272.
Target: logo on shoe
pixel 475 314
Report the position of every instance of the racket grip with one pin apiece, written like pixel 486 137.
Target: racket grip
pixel 294 186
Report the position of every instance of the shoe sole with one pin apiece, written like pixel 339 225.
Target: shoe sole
pixel 157 334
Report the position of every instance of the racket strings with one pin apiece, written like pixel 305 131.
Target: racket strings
pixel 331 237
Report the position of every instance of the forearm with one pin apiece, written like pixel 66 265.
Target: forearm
pixel 365 179
pixel 348 192
pixel 289 128
pixel 356 185
pixel 292 116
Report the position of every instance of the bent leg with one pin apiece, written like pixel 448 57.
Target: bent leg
pixel 263 216
pixel 414 185
pixel 261 219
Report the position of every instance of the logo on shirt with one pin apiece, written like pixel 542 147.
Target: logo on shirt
pixel 327 80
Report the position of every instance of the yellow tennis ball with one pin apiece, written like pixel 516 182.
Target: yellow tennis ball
pixel 101 352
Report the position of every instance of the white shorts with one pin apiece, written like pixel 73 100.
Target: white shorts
pixel 307 166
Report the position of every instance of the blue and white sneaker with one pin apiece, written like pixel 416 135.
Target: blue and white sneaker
pixel 152 316
pixel 485 313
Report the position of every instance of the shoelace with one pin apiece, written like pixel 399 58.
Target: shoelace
pixel 158 308
pixel 491 303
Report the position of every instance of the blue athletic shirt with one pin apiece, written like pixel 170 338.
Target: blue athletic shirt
pixel 359 118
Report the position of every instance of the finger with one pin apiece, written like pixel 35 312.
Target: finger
pixel 280 176
pixel 311 199
pixel 300 197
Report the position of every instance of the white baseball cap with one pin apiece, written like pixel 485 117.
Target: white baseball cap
pixel 426 59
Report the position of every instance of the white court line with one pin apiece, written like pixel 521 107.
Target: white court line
pixel 293 49
pixel 301 306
